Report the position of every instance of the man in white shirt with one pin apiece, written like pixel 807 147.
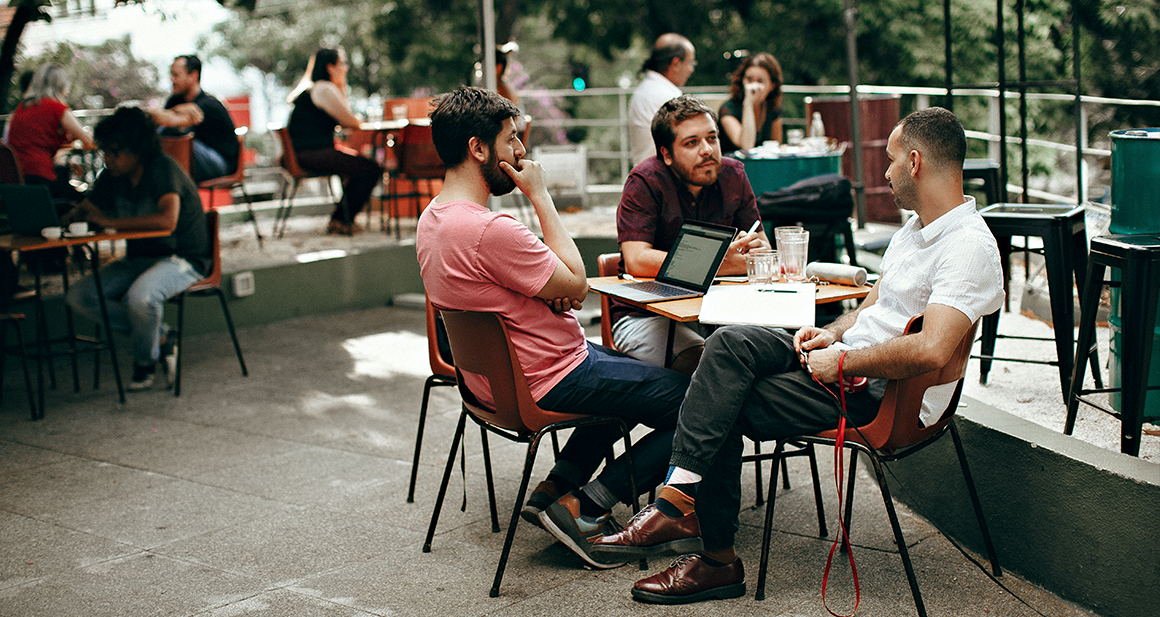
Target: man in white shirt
pixel 665 72
pixel 943 263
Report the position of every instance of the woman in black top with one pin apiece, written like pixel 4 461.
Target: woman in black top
pixel 753 113
pixel 320 103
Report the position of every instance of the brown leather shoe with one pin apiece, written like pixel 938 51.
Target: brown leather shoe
pixel 690 579
pixel 651 532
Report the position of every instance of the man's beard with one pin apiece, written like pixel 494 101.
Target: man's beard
pixel 686 175
pixel 498 181
pixel 905 194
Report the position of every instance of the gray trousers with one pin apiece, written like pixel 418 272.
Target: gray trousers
pixel 750 383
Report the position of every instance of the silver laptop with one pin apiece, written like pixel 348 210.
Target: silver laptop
pixel 688 270
pixel 29 208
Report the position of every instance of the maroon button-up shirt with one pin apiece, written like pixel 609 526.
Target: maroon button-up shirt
pixel 655 203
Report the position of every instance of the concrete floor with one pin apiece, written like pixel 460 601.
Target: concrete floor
pixel 284 494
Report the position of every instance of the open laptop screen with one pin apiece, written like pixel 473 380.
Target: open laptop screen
pixel 695 251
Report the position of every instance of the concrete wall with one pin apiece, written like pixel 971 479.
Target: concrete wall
pixel 1074 518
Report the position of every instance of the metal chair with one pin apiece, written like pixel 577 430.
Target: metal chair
pixel 180 149
pixel 442 374
pixel 14 319
pixel 289 163
pixel 210 285
pixel 417 162
pixel 1137 257
pixel 1065 251
pixel 482 346
pixel 894 434
pixel 235 180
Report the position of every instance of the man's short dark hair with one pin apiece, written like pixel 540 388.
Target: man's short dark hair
pixel 129 128
pixel 668 47
pixel 937 134
pixel 192 64
pixel 464 113
pixel 672 113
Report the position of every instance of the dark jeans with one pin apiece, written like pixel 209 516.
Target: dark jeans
pixel 611 384
pixel 361 173
pixel 750 383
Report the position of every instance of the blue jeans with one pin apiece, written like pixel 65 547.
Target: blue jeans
pixel 135 293
pixel 207 163
pixel 607 384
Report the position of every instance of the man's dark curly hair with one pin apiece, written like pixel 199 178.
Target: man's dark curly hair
pixel 129 128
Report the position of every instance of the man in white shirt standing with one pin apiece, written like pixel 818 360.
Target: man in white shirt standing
pixel 665 72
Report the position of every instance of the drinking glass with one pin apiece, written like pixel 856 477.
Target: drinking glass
pixel 793 247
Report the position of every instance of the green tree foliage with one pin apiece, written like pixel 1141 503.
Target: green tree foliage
pixel 101 75
pixel 393 46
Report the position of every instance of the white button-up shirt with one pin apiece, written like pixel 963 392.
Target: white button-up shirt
pixel 654 90
pixel 953 261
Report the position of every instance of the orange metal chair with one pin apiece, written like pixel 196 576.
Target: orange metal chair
pixel 894 434
pixel 481 345
pixel 235 180
pixel 417 162
pixel 210 285
pixel 180 149
pixel 289 162
pixel 442 374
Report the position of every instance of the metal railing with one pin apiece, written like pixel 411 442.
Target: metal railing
pixel 989 134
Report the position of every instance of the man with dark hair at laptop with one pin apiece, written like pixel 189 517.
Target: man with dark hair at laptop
pixel 686 181
pixel 142 189
pixel 215 146
pixel 752 381
pixel 474 259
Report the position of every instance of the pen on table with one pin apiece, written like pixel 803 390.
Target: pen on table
pixel 777 291
pixel 752 229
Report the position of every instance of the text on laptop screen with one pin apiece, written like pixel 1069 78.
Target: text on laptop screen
pixel 694 255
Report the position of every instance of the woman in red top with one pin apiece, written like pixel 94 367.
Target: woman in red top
pixel 41 125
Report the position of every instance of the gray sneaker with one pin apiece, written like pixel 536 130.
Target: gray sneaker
pixel 542 497
pixel 563 520
pixel 169 357
pixel 142 377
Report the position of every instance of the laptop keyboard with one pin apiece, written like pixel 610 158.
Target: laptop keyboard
pixel 659 289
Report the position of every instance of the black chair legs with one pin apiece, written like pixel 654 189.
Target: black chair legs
pixel 180 299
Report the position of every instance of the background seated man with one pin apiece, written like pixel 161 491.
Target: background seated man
pixel 142 189
pixel 687 181
pixel 474 259
pixel 215 146
pixel 944 262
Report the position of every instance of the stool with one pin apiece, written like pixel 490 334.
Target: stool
pixel 1065 249
pixel 1138 258
pixel 987 171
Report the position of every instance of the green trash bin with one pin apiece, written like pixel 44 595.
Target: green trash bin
pixel 1135 210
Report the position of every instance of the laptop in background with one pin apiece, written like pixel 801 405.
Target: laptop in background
pixel 29 208
pixel 688 269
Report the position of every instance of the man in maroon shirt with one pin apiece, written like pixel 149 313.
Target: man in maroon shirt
pixel 686 181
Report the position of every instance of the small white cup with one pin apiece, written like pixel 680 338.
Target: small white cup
pixel 78 228
pixel 51 233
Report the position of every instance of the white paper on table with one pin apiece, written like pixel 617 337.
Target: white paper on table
pixel 778 305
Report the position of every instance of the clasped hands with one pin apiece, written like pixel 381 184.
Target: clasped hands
pixel 813 345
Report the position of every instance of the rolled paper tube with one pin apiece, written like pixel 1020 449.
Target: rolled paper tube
pixel 837 273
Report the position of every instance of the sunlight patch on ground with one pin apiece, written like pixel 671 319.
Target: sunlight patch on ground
pixel 388 354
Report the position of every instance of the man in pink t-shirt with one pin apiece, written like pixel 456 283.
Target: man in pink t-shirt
pixel 474 259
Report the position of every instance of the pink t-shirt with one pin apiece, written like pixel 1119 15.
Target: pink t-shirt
pixel 474 259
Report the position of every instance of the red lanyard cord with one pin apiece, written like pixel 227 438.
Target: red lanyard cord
pixel 839 466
